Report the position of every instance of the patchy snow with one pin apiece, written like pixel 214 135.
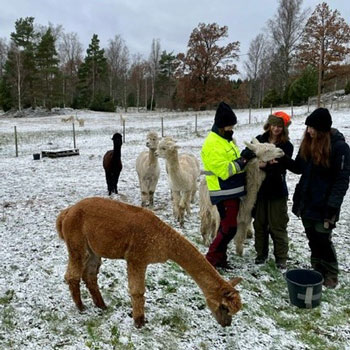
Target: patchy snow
pixel 36 310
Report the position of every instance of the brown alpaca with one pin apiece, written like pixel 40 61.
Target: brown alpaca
pixel 100 227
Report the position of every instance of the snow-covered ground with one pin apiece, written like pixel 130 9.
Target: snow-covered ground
pixel 36 310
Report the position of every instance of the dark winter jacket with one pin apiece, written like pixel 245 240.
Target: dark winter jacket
pixel 274 186
pixel 321 190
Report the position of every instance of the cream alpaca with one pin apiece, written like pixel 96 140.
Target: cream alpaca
pixel 208 213
pixel 100 227
pixel 265 152
pixel 183 171
pixel 148 170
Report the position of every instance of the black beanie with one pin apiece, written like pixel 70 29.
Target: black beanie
pixel 224 116
pixel 320 119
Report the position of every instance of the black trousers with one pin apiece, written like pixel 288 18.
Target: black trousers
pixel 323 254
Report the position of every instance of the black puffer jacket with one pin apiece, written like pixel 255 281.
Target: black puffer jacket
pixel 321 190
pixel 274 186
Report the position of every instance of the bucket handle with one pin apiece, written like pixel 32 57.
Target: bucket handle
pixel 308 297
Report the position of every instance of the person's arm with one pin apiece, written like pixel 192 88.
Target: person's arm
pixel 341 168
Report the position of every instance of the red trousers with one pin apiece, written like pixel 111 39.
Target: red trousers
pixel 228 211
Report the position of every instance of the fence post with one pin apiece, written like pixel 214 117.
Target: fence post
pixel 250 114
pixel 308 104
pixel 16 141
pixel 271 109
pixel 123 130
pixel 74 143
pixel 162 126
pixel 195 124
pixel 292 111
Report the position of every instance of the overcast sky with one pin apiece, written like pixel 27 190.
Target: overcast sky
pixel 140 21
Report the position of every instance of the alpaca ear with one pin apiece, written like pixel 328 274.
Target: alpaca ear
pixel 235 281
pixel 255 141
pixel 250 146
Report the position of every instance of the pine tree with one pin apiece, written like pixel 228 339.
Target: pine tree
pixel 92 75
pixel 165 85
pixel 48 72
pixel 20 70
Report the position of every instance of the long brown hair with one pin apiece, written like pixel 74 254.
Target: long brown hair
pixel 283 137
pixel 318 148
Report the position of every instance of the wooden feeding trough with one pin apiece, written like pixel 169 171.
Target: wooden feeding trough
pixel 60 153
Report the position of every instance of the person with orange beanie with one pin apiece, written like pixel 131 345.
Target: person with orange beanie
pixel 271 211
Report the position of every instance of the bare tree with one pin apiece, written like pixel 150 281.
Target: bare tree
pixel 154 66
pixel 3 55
pixel 253 66
pixel 286 29
pixel 117 55
pixel 70 55
pixel 325 42
pixel 136 77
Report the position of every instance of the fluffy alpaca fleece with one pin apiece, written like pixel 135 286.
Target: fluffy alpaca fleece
pixel 208 213
pixel 148 170
pixel 183 171
pixel 99 227
pixel 254 178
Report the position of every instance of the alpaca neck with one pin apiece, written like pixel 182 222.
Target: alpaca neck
pixel 152 159
pixel 173 162
pixel 174 170
pixel 195 264
pixel 116 151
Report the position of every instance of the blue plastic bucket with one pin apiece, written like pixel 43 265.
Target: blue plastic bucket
pixel 304 287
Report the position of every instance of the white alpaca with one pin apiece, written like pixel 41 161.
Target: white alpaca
pixel 208 213
pixel 183 171
pixel 254 178
pixel 148 170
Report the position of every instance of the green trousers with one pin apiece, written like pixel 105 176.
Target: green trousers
pixel 271 219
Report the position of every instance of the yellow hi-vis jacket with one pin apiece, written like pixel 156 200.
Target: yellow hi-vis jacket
pixel 225 178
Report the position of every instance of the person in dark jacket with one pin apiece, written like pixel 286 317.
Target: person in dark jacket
pixel 271 210
pixel 323 161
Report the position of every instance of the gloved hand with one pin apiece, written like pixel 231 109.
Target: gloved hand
pixel 248 154
pixel 240 163
pixel 330 217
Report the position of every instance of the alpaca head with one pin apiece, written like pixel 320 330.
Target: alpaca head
pixel 117 139
pixel 264 151
pixel 167 147
pixel 228 304
pixel 152 140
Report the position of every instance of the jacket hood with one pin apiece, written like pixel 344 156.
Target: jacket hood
pixel 336 136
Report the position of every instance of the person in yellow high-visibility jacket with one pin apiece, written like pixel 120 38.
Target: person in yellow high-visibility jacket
pixel 225 176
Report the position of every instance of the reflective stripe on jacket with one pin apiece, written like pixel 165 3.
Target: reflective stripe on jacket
pixel 224 177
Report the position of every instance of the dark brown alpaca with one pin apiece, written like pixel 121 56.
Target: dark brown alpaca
pixel 112 164
pixel 100 227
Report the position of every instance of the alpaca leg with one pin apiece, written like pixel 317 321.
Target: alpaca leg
pixel 185 201
pixel 73 276
pixel 250 230
pixel 144 197
pixel 136 280
pixel 151 199
pixel 116 179
pixel 240 237
pixel 193 195
pixel 176 204
pixel 90 273
pixel 109 185
pixel 204 232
